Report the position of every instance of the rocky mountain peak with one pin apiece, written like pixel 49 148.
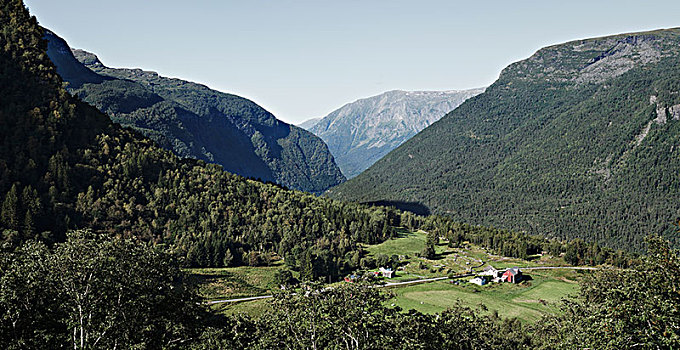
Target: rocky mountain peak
pixel 592 61
pixel 361 132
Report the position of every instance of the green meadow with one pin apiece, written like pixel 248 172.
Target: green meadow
pixel 527 301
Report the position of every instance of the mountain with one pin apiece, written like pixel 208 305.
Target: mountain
pixel 579 140
pixel 65 165
pixel 361 132
pixel 309 123
pixel 196 122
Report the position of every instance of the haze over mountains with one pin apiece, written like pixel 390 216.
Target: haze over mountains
pixel 579 140
pixel 309 123
pixel 361 132
pixel 194 121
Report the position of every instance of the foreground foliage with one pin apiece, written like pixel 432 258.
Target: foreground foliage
pixel 632 309
pixel 94 293
pixel 98 293
pixel 354 317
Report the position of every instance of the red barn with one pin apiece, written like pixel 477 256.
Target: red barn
pixel 513 275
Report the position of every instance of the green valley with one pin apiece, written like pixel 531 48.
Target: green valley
pixel 528 301
pixel 110 241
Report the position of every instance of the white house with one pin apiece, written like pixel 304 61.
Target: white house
pixel 387 273
pixel 480 281
pixel 490 271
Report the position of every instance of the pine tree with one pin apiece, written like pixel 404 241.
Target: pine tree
pixel 32 206
pixel 10 209
pixel 228 257
pixel 432 238
pixel 307 266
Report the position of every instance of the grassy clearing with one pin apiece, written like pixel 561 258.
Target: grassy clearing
pixel 448 260
pixel 527 301
pixel 235 282
pixel 406 243
pixel 253 308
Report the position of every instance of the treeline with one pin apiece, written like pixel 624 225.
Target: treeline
pixel 136 296
pixel 130 188
pixel 515 244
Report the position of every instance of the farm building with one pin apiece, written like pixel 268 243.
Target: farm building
pixel 512 275
pixel 480 281
pixel 387 273
pixel 491 271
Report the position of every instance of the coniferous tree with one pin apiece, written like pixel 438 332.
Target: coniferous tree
pixel 10 209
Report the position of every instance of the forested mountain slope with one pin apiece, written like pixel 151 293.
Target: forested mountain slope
pixel 194 121
pixel 361 132
pixel 65 165
pixel 581 139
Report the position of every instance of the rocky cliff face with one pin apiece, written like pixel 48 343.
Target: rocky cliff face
pixel 194 121
pixel 361 132
pixel 592 60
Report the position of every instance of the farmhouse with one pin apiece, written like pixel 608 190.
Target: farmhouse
pixel 387 273
pixel 480 281
pixel 490 271
pixel 512 275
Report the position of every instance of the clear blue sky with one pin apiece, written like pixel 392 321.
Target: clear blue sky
pixel 303 59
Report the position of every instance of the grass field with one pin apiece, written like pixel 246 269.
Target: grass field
pixel 235 282
pixel 527 301
pixel 253 308
pixel 406 243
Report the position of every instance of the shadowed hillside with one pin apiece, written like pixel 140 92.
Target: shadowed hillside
pixel 196 122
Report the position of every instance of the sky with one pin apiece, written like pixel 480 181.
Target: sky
pixel 304 59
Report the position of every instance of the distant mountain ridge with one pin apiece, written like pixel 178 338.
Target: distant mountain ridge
pixel 361 132
pixel 195 121
pixel 309 123
pixel 580 140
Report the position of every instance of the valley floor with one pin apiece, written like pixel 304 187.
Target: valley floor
pixel 529 300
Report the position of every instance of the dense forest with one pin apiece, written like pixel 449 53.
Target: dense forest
pixel 195 121
pixel 580 140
